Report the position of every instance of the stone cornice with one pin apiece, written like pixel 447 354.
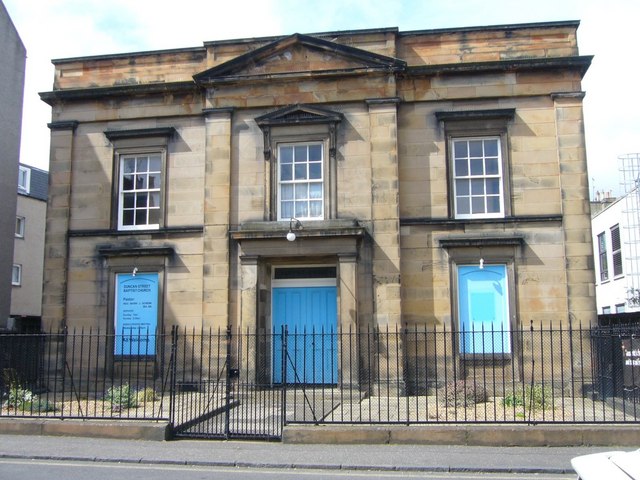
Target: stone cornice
pixel 63 125
pixel 57 96
pixel 115 251
pixel 482 241
pixel 506 113
pixel 481 221
pixel 140 133
pixel 160 233
pixel 580 63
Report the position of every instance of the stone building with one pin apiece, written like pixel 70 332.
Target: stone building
pixel 336 180
pixel 12 67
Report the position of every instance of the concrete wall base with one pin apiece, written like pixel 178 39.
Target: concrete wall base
pixel 479 435
pixel 86 428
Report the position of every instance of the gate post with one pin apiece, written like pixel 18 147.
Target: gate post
pixel 172 374
pixel 227 395
pixel 283 366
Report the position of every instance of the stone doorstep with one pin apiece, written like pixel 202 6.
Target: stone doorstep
pixel 477 435
pixel 125 430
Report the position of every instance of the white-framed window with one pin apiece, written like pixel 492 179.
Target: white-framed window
pixel 602 257
pixel 606 310
pixel 477 177
pixel 20 223
pixel 616 251
pixel 140 191
pixel 620 307
pixel 24 179
pixel 301 181
pixel 16 275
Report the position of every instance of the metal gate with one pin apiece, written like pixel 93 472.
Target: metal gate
pixel 222 385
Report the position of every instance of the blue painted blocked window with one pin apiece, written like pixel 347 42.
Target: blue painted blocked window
pixel 136 314
pixel 483 309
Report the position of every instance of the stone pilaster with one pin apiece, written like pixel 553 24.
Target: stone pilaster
pixel 385 226
pixel 56 252
pixel 348 311
pixel 248 292
pixel 574 183
pixel 217 186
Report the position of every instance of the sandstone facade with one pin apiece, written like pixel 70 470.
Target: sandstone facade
pixel 385 108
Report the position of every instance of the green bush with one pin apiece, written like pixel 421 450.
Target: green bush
pixel 146 395
pixel 464 394
pixel 19 397
pixel 122 396
pixel 25 400
pixel 532 397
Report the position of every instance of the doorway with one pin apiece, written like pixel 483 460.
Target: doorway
pixel 304 304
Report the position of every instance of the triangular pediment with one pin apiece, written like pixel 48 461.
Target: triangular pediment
pixel 297 115
pixel 298 55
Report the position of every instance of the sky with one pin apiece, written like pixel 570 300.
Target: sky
pixel 55 29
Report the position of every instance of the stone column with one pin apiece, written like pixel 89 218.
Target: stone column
pixel 217 194
pixel 385 221
pixel 56 253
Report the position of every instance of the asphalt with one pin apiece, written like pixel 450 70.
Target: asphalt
pixel 427 458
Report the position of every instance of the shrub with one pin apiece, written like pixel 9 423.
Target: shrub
pixel 146 395
pixel 532 397
pixel 122 396
pixel 19 397
pixel 464 393
pixel 25 400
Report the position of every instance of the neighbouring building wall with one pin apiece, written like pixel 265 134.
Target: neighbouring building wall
pixel 26 298
pixel 12 71
pixel 615 253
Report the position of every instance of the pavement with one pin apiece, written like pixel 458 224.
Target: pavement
pixel 415 458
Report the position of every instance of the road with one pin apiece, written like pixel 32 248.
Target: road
pixel 11 469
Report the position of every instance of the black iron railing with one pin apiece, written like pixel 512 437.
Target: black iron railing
pixel 226 383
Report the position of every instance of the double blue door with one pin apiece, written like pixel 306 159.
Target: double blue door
pixel 483 306
pixel 310 317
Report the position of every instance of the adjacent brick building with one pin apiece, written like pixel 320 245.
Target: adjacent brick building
pixel 335 180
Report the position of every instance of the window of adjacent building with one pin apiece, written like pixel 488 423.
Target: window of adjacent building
pixel 620 308
pixel 602 256
pixel 20 222
pixel 300 181
pixel 477 171
pixel 606 310
pixel 140 191
pixel 616 250
pixel 16 275
pixel 24 177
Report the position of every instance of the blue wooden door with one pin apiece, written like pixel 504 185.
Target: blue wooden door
pixel 483 306
pixel 310 316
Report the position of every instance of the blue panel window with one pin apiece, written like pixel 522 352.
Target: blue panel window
pixel 483 309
